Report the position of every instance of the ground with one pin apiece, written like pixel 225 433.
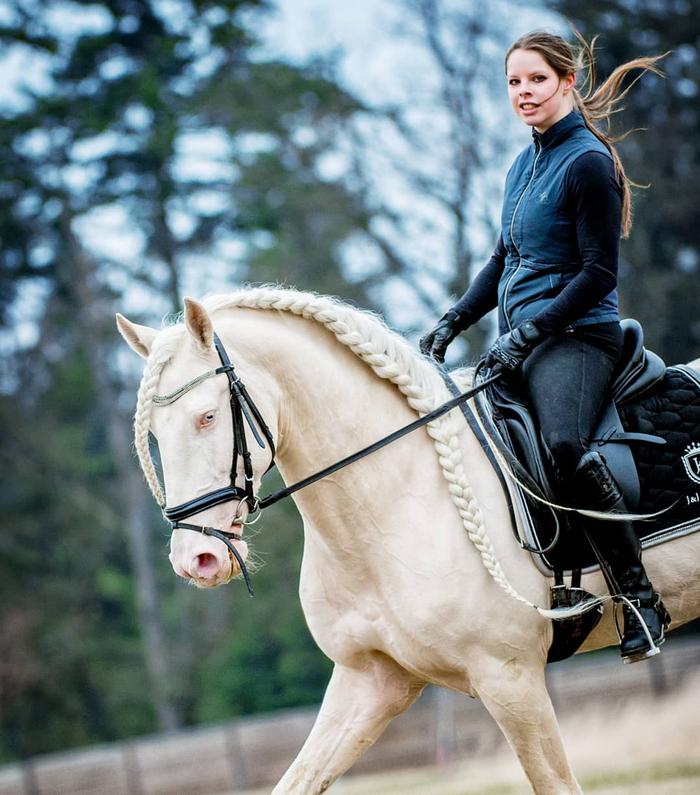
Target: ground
pixel 649 746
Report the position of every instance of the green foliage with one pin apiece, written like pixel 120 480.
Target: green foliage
pixel 64 636
pixel 109 133
pixel 265 658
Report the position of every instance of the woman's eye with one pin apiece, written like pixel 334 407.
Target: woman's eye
pixel 207 419
pixel 513 82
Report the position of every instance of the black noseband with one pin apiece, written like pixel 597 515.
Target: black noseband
pixel 199 504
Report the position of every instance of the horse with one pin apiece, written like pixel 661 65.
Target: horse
pixel 410 573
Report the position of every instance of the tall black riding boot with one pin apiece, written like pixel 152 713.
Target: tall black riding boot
pixel 620 554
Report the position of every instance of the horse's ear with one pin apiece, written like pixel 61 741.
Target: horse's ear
pixel 138 338
pixel 199 325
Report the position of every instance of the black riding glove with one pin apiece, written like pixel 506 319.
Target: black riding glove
pixel 435 342
pixel 510 350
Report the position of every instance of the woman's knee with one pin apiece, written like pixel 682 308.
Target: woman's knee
pixel 566 452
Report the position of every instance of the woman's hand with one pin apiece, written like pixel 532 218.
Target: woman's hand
pixel 510 350
pixel 435 342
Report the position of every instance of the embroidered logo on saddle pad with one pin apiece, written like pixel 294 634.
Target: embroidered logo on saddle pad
pixel 691 461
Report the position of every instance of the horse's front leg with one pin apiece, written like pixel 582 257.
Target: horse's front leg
pixel 515 694
pixel 358 704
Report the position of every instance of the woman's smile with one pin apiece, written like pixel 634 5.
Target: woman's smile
pixel 537 94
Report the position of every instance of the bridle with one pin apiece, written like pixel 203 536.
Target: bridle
pixel 245 412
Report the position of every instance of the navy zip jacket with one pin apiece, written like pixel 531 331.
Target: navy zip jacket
pixel 556 260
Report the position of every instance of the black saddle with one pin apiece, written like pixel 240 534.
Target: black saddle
pixel 649 435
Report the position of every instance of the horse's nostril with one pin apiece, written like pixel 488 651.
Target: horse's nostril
pixel 206 564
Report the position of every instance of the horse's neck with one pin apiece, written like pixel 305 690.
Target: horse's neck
pixel 386 507
pixel 331 403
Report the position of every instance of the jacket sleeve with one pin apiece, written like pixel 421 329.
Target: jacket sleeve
pixel 482 295
pixel 594 198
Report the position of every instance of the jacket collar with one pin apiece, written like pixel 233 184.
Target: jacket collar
pixel 559 131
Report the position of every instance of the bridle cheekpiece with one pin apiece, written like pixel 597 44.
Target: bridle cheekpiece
pixel 243 412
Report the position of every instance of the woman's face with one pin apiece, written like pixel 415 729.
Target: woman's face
pixel 537 94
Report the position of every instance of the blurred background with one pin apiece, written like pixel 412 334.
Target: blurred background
pixel 152 149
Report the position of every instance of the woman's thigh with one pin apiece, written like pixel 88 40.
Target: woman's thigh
pixel 567 381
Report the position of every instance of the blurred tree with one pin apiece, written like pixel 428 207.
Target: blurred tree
pixel 162 122
pixel 433 162
pixel 68 629
pixel 251 670
pixel 661 260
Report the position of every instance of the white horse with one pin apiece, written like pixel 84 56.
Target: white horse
pixel 410 573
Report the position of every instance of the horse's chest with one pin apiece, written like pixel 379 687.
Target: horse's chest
pixel 348 622
pixel 339 624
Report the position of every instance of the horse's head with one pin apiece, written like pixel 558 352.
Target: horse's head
pixel 192 411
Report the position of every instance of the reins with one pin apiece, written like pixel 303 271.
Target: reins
pixel 276 496
pixel 245 412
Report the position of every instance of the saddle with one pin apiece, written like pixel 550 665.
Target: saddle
pixel 649 435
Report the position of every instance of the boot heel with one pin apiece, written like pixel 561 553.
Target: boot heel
pixel 649 624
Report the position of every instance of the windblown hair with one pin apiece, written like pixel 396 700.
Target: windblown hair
pixel 595 103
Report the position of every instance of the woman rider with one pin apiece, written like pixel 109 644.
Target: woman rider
pixel 553 276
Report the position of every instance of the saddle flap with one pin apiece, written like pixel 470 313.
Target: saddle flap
pixel 524 436
pixel 611 441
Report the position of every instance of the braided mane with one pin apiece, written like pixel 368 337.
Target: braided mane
pixel 386 353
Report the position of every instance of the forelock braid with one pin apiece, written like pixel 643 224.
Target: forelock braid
pixel 159 357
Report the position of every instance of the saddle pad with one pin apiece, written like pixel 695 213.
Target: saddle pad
pixel 669 474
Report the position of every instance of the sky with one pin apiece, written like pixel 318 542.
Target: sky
pixel 381 61
pixel 378 60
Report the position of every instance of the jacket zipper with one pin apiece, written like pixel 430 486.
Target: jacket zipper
pixel 512 221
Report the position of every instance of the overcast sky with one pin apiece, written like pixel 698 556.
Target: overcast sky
pixel 382 63
pixel 376 57
pixel 377 61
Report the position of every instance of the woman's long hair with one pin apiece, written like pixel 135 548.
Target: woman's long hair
pixel 595 103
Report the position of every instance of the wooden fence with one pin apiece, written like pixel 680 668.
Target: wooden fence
pixel 254 752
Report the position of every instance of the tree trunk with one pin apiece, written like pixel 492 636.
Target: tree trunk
pixel 131 492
